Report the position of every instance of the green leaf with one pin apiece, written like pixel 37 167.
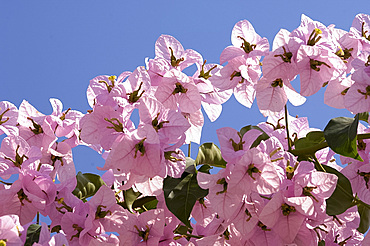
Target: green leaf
pixel 364 116
pixel 151 204
pixel 130 197
pixel 205 168
pixel 190 166
pixel 87 185
pixel 365 218
pixel 342 197
pixel 33 234
pixel 181 194
pixel 341 136
pixel 261 137
pixel 210 154
pixel 181 229
pixel 311 140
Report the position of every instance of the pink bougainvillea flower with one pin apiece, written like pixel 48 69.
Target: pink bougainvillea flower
pixel 137 86
pixel 156 69
pixel 317 186
pixel 72 224
pixel 233 144
pixel 32 192
pixel 314 33
pixel 357 173
pixel 61 159
pixel 240 74
pixel 348 46
pixel 138 152
pixel 225 202
pixel 103 125
pixel 246 42
pixel 336 91
pixel 105 90
pixel 202 212
pixel 280 64
pixel 64 123
pixel 168 123
pixel 144 229
pixel 229 237
pixel 272 95
pixel 361 29
pixel 212 97
pixel 246 219
pixel 238 71
pixel 39 189
pixel 10 230
pixel 174 159
pixel 172 51
pixel 8 118
pixel 357 98
pixel 317 66
pixel 177 88
pixel 34 128
pixel 15 154
pixel 196 121
pixel 255 172
pixel 105 215
pixel 282 216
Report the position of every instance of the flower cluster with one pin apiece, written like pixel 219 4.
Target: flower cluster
pixel 278 181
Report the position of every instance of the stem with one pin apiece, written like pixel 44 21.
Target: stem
pixel 38 218
pixel 318 163
pixel 287 129
pixel 358 201
pixel 265 197
pixel 363 136
pixel 189 149
pixel 191 235
pixel 5 183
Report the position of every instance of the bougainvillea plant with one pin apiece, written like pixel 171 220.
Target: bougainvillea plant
pixel 278 182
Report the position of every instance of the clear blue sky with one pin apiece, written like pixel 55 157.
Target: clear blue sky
pixel 53 48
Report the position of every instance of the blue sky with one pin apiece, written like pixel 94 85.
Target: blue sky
pixel 53 48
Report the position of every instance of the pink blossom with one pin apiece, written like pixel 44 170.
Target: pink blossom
pixel 64 123
pixel 177 88
pixel 10 230
pixel 8 118
pixel 138 152
pixel 105 90
pixel 156 69
pixel 254 172
pixel 336 91
pixel 272 95
pixel 196 121
pixel 144 229
pixel 136 87
pixel 356 100
pixel 16 153
pixel 357 174
pixel 212 97
pixel 225 201
pixel 172 51
pixel 104 125
pixel 317 66
pixel 314 33
pixel 280 215
pixel 169 124
pixel 361 28
pixel 246 42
